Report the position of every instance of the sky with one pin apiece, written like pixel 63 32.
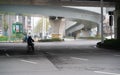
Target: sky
pixel 35 20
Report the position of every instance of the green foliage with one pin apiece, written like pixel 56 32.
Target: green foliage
pixel 20 36
pixel 50 40
pixel 110 43
pixel 5 24
pixel 39 25
pixel 89 37
pixel 17 36
pixel 3 38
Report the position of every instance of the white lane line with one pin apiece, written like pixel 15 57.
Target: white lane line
pixel 7 54
pixel 94 46
pixel 117 55
pixel 50 53
pixel 29 61
pixel 79 58
pixel 106 73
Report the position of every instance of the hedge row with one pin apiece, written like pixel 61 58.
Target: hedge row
pixel 3 38
pixel 50 40
pixel 110 44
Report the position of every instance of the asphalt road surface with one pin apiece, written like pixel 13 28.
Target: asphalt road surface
pixel 76 57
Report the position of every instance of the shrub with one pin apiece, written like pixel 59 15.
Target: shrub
pixel 110 43
pixel 89 37
pixel 50 40
pixel 3 38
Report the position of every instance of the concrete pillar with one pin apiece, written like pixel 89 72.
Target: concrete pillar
pixel 117 20
pixel 58 26
pixel 84 33
pixel 98 30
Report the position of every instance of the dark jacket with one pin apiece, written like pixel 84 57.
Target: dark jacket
pixel 30 41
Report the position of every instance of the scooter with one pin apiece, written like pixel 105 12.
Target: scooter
pixel 30 48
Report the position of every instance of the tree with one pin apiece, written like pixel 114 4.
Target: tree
pixel 38 28
pixel 5 25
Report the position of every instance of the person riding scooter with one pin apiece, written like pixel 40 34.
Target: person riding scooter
pixel 30 42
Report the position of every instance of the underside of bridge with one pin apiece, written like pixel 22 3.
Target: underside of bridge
pixel 37 3
pixel 90 19
pixel 60 2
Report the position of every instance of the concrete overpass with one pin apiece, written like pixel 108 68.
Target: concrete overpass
pixel 53 11
pixel 83 27
pixel 77 15
pixel 60 2
pixel 24 4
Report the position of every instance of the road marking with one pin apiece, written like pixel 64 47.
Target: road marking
pixel 79 58
pixel 94 46
pixel 7 54
pixel 117 55
pixel 50 53
pixel 29 61
pixel 106 73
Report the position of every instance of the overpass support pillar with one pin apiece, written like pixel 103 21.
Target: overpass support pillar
pixel 117 20
pixel 58 27
pixel 98 30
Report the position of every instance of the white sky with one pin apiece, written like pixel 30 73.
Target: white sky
pixel 35 20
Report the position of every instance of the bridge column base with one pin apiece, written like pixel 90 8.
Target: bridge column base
pixel 54 36
pixel 57 25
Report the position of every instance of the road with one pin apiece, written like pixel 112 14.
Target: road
pixel 76 57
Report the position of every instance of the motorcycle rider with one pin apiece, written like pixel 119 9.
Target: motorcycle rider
pixel 30 42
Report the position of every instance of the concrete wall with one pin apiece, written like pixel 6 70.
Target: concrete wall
pixel 58 28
